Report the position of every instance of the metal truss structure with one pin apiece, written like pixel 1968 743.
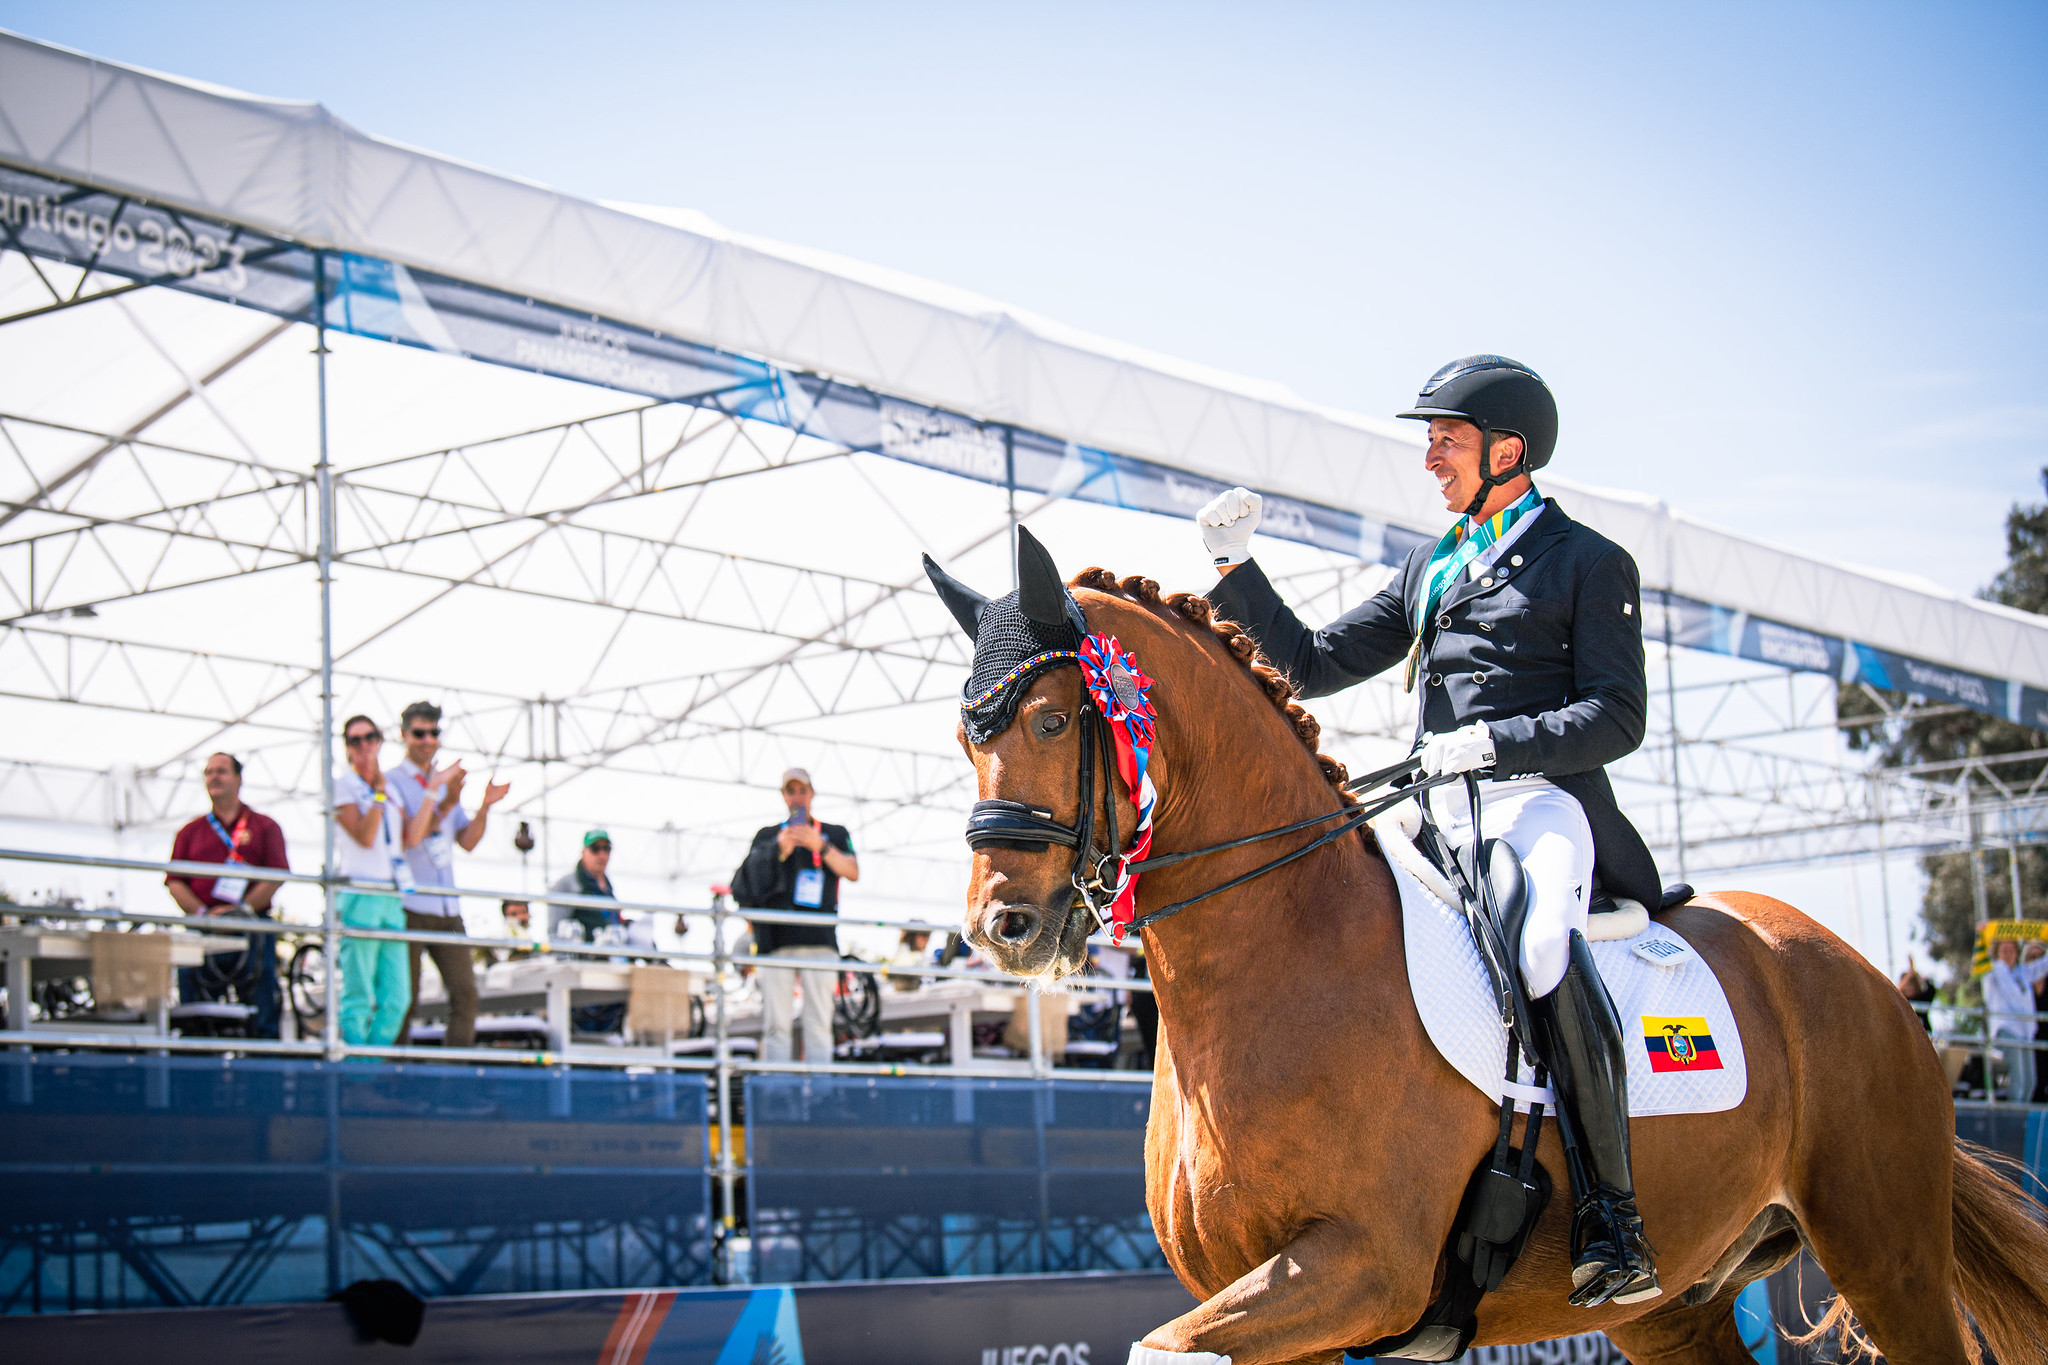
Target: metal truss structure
pixel 704 645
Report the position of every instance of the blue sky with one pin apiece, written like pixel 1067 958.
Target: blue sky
pixel 1783 264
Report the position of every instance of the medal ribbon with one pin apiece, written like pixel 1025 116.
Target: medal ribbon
pixel 1461 545
pixel 1124 697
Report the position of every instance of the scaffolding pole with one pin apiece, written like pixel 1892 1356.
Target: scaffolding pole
pixel 330 923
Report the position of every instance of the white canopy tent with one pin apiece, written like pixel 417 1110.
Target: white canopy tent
pixel 294 170
pixel 651 553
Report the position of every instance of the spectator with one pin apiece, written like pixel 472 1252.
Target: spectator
pixel 374 993
pixel 518 922
pixel 590 877
pixel 913 950
pixel 2009 1009
pixel 796 865
pixel 433 829
pixel 231 833
pixel 1920 991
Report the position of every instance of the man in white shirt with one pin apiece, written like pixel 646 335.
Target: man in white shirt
pixel 433 829
pixel 370 848
pixel 2009 1006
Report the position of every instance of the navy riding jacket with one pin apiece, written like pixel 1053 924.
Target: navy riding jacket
pixel 1546 648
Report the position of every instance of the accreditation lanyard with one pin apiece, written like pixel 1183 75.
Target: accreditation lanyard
pixel 401 871
pixel 233 841
pixel 231 889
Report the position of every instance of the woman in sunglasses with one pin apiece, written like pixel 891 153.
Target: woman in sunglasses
pixel 370 848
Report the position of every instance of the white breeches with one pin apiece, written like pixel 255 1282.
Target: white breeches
pixel 1548 829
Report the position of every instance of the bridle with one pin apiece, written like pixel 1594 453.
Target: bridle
pixel 1020 825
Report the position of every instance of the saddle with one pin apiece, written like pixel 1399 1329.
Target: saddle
pixel 1507 1194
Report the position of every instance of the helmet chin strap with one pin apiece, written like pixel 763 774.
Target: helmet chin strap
pixel 1488 480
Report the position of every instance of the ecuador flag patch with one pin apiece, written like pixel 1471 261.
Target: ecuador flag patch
pixel 1679 1043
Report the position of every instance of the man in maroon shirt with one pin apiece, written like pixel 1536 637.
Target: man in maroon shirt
pixel 231 833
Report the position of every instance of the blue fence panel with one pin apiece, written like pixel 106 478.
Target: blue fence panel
pixel 883 1177
pixel 140 1181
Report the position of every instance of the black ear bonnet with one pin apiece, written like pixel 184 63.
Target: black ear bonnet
pixel 1016 636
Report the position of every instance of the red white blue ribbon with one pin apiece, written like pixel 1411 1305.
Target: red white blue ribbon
pixel 1124 697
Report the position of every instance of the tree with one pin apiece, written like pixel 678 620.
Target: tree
pixel 1903 735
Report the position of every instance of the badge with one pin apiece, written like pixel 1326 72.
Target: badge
pixel 810 888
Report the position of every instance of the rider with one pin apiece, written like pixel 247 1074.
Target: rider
pixel 1523 631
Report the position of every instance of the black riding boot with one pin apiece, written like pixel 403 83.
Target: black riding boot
pixel 1612 1261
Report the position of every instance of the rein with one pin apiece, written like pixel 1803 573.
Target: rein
pixel 1019 825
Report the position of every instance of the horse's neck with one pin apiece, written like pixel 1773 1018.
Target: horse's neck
pixel 1237 947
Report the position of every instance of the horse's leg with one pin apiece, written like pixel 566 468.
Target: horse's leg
pixel 1871 1178
pixel 1884 1243
pixel 1676 1335
pixel 1327 1290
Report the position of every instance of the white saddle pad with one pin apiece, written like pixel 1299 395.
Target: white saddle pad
pixel 1684 1054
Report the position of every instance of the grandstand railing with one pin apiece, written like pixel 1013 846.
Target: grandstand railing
pixel 723 1067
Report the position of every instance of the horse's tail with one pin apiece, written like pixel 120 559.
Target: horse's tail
pixel 2001 1247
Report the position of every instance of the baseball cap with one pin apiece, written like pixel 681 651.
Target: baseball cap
pixel 596 836
pixel 797 775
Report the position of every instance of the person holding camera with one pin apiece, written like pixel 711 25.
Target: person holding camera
pixel 796 865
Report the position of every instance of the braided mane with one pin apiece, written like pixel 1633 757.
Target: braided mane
pixel 1197 612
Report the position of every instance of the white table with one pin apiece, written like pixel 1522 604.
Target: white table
pixel 28 947
pixel 542 984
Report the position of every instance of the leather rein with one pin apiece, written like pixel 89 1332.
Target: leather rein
pixel 1020 825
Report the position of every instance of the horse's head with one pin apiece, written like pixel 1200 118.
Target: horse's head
pixel 1028 728
pixel 1054 809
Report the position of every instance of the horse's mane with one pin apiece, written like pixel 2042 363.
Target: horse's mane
pixel 1197 612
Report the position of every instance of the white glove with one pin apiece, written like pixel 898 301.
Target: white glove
pixel 1227 524
pixel 1468 749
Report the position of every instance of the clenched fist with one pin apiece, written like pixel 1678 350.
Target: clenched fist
pixel 1227 524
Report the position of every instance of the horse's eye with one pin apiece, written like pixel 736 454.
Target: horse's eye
pixel 1051 723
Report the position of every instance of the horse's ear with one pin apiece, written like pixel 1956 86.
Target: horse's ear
pixel 1040 593
pixel 964 602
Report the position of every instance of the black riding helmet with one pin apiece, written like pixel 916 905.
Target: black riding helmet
pixel 1501 397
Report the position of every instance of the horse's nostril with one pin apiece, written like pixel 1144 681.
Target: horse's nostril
pixel 1015 926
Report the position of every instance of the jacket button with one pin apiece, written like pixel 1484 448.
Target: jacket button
pixel 1515 560
pixel 1443 622
pixel 1486 582
pixel 1436 680
pixel 1478 678
pixel 1486 626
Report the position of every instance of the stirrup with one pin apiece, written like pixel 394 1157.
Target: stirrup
pixel 1616 1264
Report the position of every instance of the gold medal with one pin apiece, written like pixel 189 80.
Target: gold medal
pixel 1413 662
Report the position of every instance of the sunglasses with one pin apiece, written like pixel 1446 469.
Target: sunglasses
pixel 371 737
pixel 600 848
pixel 427 734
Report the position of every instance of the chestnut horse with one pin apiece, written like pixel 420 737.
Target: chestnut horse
pixel 1308 1147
